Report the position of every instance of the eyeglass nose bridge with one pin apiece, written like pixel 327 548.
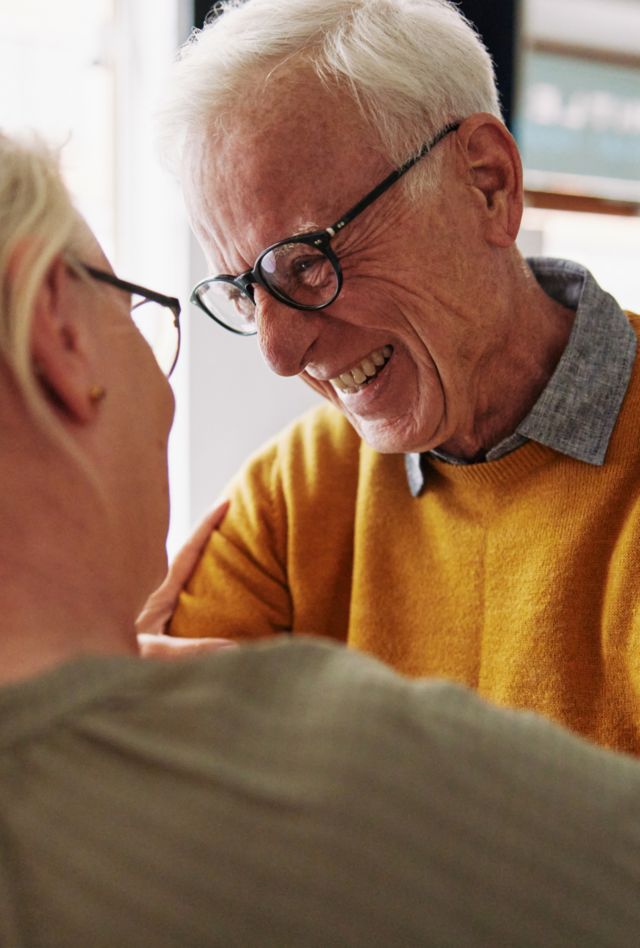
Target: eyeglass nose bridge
pixel 245 283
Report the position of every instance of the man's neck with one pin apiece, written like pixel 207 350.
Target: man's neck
pixel 518 375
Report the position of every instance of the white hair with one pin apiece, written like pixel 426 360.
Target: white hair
pixel 37 223
pixel 412 66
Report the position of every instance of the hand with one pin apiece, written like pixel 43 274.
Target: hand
pixel 169 648
pixel 161 604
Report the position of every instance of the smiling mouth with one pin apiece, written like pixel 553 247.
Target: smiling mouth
pixel 363 372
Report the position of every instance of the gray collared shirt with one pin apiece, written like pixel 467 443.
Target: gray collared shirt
pixel 576 412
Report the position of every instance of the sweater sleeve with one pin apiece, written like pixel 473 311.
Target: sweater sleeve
pixel 239 588
pixel 282 559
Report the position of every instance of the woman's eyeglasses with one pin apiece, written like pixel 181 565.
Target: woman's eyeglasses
pixel 157 317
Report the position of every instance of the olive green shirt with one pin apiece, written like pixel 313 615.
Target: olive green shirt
pixel 297 794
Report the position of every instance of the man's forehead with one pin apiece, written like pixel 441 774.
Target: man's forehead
pixel 293 107
pixel 310 149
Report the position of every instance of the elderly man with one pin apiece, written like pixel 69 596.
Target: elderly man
pixel 466 505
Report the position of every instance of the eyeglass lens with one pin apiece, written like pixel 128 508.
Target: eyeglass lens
pixel 157 324
pixel 229 305
pixel 300 272
pixel 297 272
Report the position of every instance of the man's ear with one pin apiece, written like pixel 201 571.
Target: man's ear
pixel 494 171
pixel 60 345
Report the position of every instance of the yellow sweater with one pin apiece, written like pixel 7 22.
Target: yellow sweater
pixel 519 577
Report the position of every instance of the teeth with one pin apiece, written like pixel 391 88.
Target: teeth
pixel 365 370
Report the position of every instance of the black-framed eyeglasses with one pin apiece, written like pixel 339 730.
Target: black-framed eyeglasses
pixel 301 271
pixel 157 317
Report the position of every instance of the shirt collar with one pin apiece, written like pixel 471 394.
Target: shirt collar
pixel 579 406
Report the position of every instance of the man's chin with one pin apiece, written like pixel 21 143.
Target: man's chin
pixel 386 437
pixel 383 436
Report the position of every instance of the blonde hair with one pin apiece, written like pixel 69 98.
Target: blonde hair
pixel 412 67
pixel 37 223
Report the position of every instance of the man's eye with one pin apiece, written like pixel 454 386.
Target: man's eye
pixel 311 271
pixel 303 264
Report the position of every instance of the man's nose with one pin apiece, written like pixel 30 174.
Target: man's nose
pixel 286 335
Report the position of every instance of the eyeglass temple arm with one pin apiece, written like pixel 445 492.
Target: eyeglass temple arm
pixel 170 301
pixel 389 180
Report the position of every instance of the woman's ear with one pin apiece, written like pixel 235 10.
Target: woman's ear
pixel 61 345
pixel 494 170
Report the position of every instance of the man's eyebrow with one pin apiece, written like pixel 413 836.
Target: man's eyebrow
pixel 305 228
pixel 308 227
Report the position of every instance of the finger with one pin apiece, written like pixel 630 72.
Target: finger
pixel 188 555
pixel 169 648
pixel 155 614
pixel 161 605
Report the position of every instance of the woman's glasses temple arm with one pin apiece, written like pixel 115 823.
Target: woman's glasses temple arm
pixel 172 302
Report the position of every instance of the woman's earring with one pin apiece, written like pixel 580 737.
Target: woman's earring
pixel 97 393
